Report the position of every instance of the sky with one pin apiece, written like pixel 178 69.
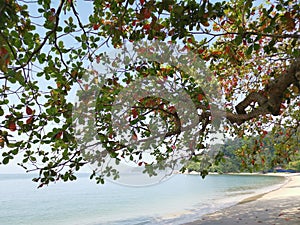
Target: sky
pixel 85 7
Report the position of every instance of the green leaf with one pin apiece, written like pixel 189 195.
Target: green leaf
pixel 15 151
pixel 267 49
pixel 51 111
pixel 238 40
pixel 272 43
pixel 5 160
pixel 268 29
pixel 249 50
pixel 296 53
pixel 256 47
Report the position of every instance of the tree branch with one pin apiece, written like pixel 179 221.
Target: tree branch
pixel 270 99
pixel 36 51
pixel 294 36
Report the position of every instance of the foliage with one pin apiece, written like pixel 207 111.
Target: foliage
pixel 46 48
pixel 238 155
pixel 294 165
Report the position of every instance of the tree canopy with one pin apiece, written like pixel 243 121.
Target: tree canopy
pixel 47 47
pixel 239 151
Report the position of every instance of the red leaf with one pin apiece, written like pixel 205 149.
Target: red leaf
pixel 201 50
pixel 134 137
pixel 215 53
pixel 8 116
pixel 96 26
pixel 134 113
pixel 227 49
pixel 264 133
pixel 98 59
pixel 58 135
pixel 29 120
pixel 4 54
pixel 12 126
pixel 146 12
pixel 28 110
pixel 3 51
pixel 140 163
pixel 200 97
pixel 142 2
pixel 172 109
pixel 243 163
pixel 241 54
pixel 147 26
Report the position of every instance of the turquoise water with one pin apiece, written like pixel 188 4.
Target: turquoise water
pixel 181 199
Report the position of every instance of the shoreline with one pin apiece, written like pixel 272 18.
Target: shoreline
pixel 288 179
pixel 276 207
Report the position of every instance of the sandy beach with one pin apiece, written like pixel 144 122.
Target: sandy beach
pixel 279 207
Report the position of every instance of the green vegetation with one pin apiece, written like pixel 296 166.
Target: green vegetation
pixel 294 165
pixel 47 47
pixel 254 155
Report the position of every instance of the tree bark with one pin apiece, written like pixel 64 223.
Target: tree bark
pixel 269 100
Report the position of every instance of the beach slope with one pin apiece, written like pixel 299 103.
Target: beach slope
pixel 278 207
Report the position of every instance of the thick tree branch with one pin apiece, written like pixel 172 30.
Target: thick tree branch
pixel 270 99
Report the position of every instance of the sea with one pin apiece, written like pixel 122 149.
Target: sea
pixel 181 199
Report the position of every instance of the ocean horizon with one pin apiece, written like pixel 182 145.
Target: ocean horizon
pixel 181 199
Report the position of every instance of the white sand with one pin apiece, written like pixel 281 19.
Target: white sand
pixel 279 207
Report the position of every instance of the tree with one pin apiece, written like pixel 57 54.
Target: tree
pixel 253 52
